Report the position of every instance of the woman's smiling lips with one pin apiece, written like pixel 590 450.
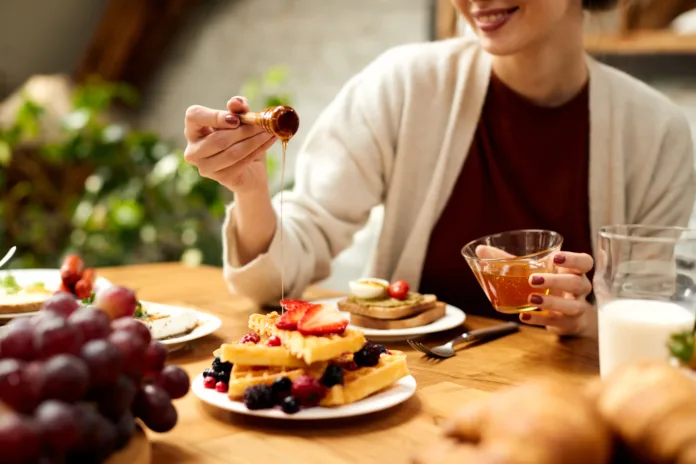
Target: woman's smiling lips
pixel 494 19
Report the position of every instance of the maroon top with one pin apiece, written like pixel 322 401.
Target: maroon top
pixel 527 168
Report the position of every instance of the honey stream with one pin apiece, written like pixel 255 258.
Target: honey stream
pixel 282 248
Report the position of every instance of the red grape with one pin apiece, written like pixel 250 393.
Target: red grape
pixel 116 301
pixel 104 362
pixel 61 303
pixel 65 378
pixel 20 438
pixel 54 336
pixel 154 406
pixel 18 342
pixel 175 381
pixel 15 389
pixel 92 323
pixel 98 436
pixel 125 428
pixel 132 326
pixel 155 357
pixel 115 400
pixel 132 350
pixel 59 426
pixel 20 322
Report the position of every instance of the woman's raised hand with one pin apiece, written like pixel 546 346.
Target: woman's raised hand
pixel 225 150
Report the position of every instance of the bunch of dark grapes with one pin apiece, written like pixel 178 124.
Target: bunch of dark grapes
pixel 73 380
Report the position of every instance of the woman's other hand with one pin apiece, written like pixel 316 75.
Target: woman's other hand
pixel 565 310
pixel 225 150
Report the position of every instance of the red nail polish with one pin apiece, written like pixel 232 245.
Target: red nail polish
pixel 525 316
pixel 232 119
pixel 559 259
pixel 537 280
pixel 536 299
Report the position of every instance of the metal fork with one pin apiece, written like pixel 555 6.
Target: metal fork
pixel 447 350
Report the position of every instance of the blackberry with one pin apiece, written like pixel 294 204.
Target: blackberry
pixel 290 405
pixel 333 375
pixel 281 388
pixel 259 397
pixel 223 376
pixel 382 348
pixel 209 373
pixel 220 366
pixel 368 355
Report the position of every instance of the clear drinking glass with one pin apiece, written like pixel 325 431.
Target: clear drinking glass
pixel 645 291
pixel 502 264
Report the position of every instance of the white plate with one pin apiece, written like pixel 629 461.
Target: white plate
pixel 396 394
pixel 453 318
pixel 207 323
pixel 50 279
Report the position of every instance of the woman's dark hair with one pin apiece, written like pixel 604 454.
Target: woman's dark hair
pixel 599 5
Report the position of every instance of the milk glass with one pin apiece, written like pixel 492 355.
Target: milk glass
pixel 645 291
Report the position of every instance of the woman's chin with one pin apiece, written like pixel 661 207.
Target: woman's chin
pixel 500 46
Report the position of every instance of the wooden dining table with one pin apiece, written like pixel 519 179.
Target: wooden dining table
pixel 205 434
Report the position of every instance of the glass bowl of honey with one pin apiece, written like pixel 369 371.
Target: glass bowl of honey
pixel 503 263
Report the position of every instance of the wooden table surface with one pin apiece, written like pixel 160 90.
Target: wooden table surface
pixel 207 435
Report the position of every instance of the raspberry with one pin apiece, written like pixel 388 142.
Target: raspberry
pixel 368 355
pixel 221 387
pixel 250 338
pixel 274 340
pixel 307 390
pixel 333 375
pixel 290 405
pixel 258 397
pixel 209 382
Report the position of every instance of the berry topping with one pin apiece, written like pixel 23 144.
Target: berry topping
pixel 333 375
pixel 221 387
pixel 219 366
pixel 294 310
pixel 281 388
pixel 222 376
pixel 398 289
pixel 350 366
pixel 250 338
pixel 259 397
pixel 368 355
pixel 274 340
pixel 307 390
pixel 209 382
pixel 322 320
pixel 209 373
pixel 382 349
pixel 290 405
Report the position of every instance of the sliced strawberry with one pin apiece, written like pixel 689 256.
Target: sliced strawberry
pixel 322 320
pixel 294 310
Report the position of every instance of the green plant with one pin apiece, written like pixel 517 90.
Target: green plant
pixel 112 193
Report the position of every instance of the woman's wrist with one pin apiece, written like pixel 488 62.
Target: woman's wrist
pixel 255 221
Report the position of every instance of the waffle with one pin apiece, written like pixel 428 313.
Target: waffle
pixel 258 355
pixel 310 348
pixel 363 382
pixel 243 377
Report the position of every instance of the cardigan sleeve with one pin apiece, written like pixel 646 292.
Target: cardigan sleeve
pixel 341 173
pixel 669 199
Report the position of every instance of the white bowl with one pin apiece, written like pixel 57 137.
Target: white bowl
pixel 369 288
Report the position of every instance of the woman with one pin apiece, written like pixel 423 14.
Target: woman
pixel 459 139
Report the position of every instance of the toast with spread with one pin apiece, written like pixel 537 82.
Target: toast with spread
pixel 378 304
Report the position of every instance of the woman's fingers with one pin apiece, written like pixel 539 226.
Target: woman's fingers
pixel 199 120
pixel 576 263
pixel 248 150
pixel 577 285
pixel 555 322
pixel 238 104
pixel 565 306
pixel 218 142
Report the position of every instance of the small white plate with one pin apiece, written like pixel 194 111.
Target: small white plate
pixel 207 323
pixel 453 318
pixel 396 394
pixel 50 279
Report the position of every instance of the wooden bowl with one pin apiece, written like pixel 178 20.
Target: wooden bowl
pixel 137 451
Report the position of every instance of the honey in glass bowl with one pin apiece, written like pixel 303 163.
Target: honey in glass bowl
pixel 503 263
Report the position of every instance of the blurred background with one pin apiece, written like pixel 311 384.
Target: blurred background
pixel 93 95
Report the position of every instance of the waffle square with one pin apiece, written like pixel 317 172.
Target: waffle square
pixel 310 348
pixel 250 354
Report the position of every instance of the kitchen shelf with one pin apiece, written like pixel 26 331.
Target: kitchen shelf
pixel 641 42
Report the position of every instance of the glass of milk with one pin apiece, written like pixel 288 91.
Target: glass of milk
pixel 645 288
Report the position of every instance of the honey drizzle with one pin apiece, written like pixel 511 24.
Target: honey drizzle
pixel 282 248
